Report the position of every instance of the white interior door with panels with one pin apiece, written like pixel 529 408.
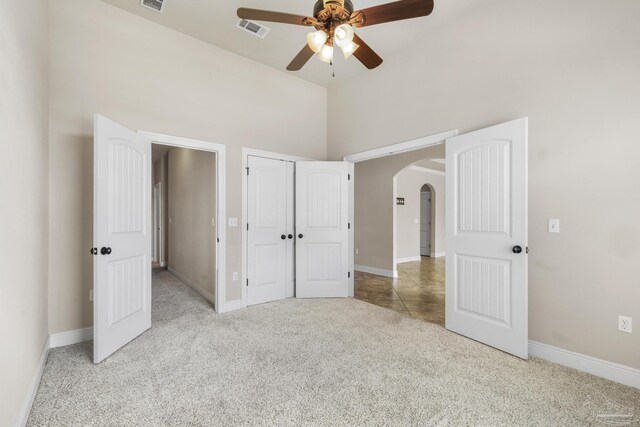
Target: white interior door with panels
pixel 425 223
pixel 322 228
pixel 486 272
pixel 270 230
pixel 122 237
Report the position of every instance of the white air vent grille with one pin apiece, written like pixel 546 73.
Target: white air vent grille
pixel 157 5
pixel 253 28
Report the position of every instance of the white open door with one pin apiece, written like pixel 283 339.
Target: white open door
pixel 122 237
pixel 486 272
pixel 322 229
pixel 269 230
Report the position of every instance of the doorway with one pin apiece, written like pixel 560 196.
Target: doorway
pixel 486 279
pixel 184 210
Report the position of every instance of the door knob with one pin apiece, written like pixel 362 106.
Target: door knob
pixel 300 236
pixel 283 237
pixel 105 251
pixel 290 236
pixel 517 249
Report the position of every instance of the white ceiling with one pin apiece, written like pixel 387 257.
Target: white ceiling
pixel 214 21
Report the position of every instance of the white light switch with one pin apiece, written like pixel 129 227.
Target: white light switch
pixel 554 226
pixel 233 222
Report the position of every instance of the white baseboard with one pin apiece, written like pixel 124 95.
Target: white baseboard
pixel 231 306
pixel 598 367
pixel 193 285
pixel 437 254
pixel 25 410
pixel 375 270
pixel 70 337
pixel 408 259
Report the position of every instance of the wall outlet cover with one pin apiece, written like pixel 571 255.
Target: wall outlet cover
pixel 625 324
pixel 554 226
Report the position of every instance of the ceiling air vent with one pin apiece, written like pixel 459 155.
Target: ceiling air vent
pixel 253 28
pixel 157 5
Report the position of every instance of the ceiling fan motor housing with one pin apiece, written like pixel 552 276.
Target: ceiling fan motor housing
pixel 333 10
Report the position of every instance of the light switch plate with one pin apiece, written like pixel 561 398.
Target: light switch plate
pixel 233 222
pixel 554 226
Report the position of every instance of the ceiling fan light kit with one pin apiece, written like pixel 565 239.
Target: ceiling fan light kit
pixel 334 22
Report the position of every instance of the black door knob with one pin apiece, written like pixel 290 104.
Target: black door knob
pixel 517 249
pixel 300 236
pixel 290 236
pixel 283 237
pixel 105 251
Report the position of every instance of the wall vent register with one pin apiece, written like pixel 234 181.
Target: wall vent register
pixel 157 5
pixel 253 28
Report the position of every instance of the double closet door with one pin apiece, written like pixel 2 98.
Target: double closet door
pixel 298 230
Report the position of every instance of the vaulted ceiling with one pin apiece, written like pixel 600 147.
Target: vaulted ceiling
pixel 214 21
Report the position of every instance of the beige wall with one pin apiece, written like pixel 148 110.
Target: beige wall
pixel 23 191
pixel 148 77
pixel 408 184
pixel 191 204
pixel 374 203
pixel 572 67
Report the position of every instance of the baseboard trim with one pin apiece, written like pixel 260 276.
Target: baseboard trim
pixel 591 365
pixel 193 285
pixel 236 304
pixel 25 410
pixel 437 254
pixel 70 337
pixel 408 259
pixel 375 270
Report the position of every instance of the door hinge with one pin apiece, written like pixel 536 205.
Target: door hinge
pixel 247 282
pixel 349 275
pixel 217 239
pixel 247 168
pixel 349 226
pixel 247 226
pixel 348 177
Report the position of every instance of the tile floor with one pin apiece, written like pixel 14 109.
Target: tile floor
pixel 418 291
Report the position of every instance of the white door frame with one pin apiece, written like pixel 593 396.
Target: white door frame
pixel 221 209
pixel 388 150
pixel 246 152
pixel 157 223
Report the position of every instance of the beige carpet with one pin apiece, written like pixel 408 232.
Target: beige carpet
pixel 313 362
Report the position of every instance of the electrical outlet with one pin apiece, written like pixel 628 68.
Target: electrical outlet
pixel 90 295
pixel 554 226
pixel 625 324
pixel 233 222
pixel 357 251
pixel 235 276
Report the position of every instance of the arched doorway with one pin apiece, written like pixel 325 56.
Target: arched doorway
pixel 427 219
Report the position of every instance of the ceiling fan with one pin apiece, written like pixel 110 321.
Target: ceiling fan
pixel 334 21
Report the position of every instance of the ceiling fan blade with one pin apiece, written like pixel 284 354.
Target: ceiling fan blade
pixel 365 54
pixel 395 11
pixel 267 15
pixel 301 58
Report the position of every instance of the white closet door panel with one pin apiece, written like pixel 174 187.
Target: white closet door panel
pixel 322 228
pixel 270 217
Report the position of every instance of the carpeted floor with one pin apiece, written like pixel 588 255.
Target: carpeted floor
pixel 313 362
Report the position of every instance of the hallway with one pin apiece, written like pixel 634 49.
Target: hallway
pixel 418 292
